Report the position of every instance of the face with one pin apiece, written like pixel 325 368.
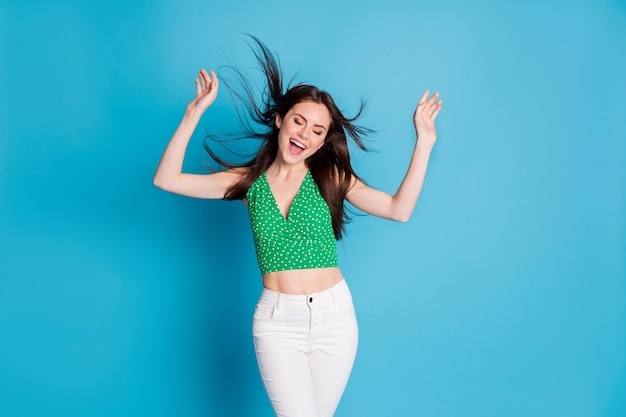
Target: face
pixel 302 131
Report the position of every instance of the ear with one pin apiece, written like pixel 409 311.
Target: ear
pixel 279 120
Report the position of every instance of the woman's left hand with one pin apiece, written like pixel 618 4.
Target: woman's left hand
pixel 424 119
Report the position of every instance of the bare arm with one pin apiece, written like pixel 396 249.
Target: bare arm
pixel 169 176
pixel 400 206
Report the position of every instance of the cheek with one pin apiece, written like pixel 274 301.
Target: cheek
pixel 319 142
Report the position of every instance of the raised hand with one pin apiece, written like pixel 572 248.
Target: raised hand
pixel 206 92
pixel 424 119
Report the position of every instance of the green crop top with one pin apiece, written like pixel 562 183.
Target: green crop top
pixel 303 240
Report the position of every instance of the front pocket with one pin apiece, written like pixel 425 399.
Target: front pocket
pixel 263 312
pixel 346 307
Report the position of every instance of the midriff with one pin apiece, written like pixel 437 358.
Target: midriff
pixel 302 281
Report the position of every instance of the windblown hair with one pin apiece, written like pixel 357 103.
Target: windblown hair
pixel 330 166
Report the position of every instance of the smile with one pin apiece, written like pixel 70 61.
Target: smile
pixel 298 144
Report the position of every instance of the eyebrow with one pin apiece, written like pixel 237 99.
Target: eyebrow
pixel 305 119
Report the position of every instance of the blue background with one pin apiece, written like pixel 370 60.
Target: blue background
pixel 505 295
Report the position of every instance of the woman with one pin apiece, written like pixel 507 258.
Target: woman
pixel 304 327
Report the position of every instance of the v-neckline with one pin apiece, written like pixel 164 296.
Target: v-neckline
pixel 294 198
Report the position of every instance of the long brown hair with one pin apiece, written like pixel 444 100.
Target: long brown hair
pixel 330 166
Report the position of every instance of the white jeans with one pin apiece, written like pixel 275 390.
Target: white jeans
pixel 305 346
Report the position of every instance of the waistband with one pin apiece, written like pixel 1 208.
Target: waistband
pixel 339 291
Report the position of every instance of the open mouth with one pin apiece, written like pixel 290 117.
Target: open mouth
pixel 296 147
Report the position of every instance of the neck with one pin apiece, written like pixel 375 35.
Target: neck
pixel 282 169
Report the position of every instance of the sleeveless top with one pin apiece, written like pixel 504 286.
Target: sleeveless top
pixel 303 240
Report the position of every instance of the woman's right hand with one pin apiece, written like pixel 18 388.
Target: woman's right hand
pixel 206 92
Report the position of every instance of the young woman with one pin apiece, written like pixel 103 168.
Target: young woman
pixel 304 326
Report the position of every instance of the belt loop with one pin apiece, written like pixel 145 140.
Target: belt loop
pixel 332 295
pixel 277 305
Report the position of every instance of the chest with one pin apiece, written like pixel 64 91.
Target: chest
pixel 298 209
pixel 285 190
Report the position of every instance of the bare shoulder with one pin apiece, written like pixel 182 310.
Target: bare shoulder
pixel 355 181
pixel 340 177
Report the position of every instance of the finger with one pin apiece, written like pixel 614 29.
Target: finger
pixel 430 106
pixel 198 87
pixel 432 99
pixel 202 80
pixel 211 81
pixel 214 82
pixel 206 81
pixel 423 99
pixel 436 111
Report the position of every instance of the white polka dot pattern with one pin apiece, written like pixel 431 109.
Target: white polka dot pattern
pixel 303 240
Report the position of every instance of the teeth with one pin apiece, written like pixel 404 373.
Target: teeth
pixel 298 144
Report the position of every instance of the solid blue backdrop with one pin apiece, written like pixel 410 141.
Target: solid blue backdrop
pixel 505 295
